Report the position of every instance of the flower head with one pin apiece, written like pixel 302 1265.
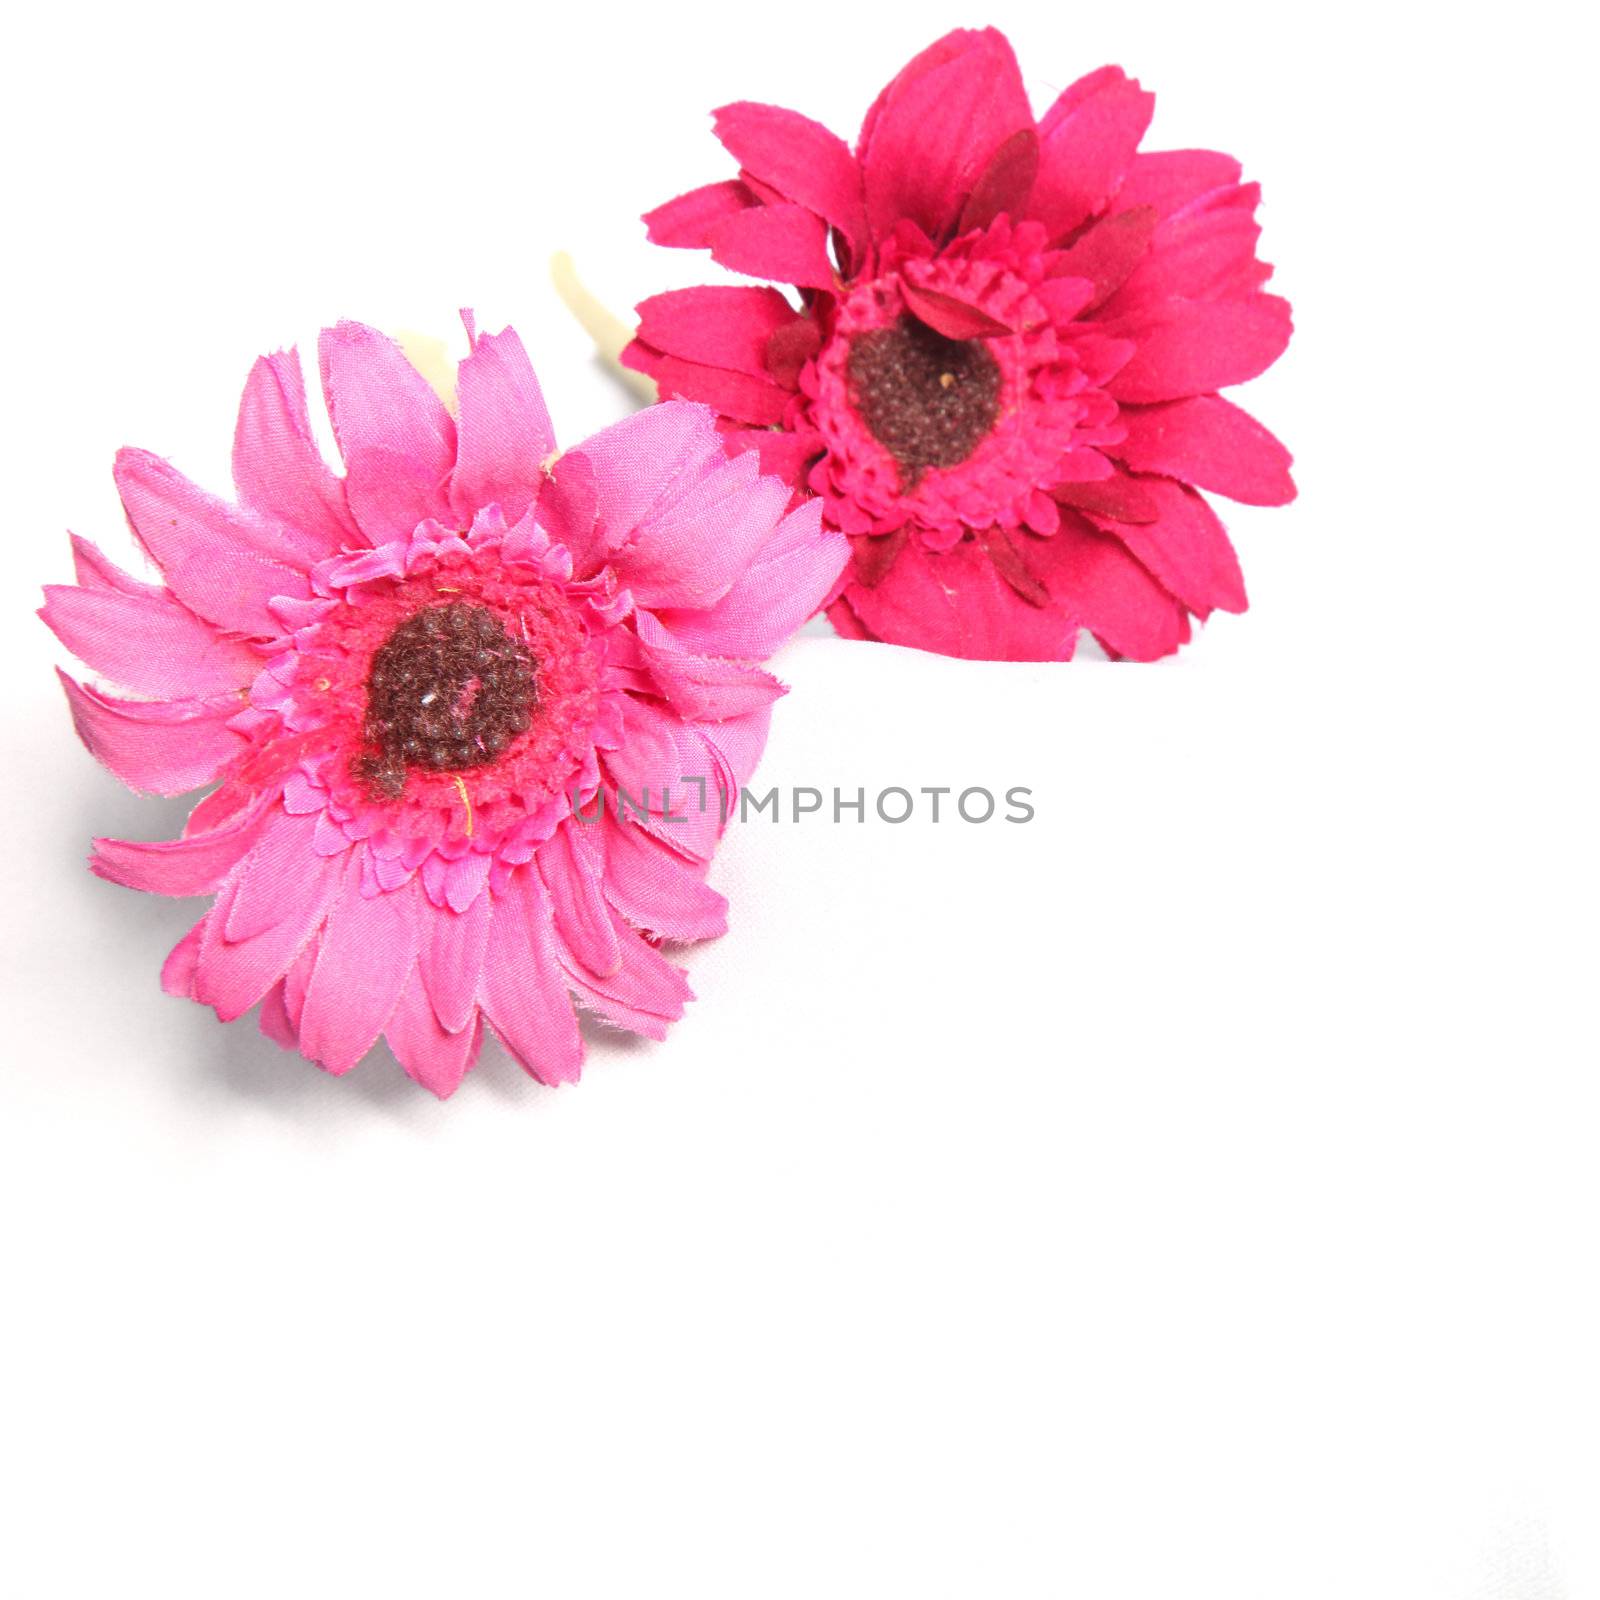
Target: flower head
pixel 1002 377
pixel 473 712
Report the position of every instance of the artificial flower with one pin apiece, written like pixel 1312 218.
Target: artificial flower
pixel 1002 377
pixel 474 712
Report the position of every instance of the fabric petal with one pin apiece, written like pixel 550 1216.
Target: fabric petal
pixel 687 223
pixel 935 129
pixel 1209 442
pixel 1087 144
pixel 645 460
pixel 160 746
pixel 1186 548
pixel 194 864
pixel 656 890
pixel 799 158
pixel 277 466
pixel 739 395
pixel 503 430
pixel 1196 347
pixel 700 688
pixel 451 961
pixel 643 995
pixel 571 872
pixel 150 644
pixel 785 242
pixel 1107 591
pixel 525 996
pixel 716 325
pixel 368 950
pixel 225 563
pixel 430 1054
pixel 396 437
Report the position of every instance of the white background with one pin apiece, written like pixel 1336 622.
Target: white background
pixel 1191 1193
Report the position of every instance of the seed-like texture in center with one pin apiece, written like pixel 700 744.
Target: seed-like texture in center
pixel 928 400
pixel 448 690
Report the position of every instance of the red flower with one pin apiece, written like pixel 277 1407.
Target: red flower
pixel 1002 381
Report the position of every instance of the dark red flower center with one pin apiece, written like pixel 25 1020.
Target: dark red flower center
pixel 448 690
pixel 928 400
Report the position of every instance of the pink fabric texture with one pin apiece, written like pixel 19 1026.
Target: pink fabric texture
pixel 604 613
pixel 1061 310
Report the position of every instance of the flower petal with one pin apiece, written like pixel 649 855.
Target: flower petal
pixel 194 864
pixel 739 395
pixel 430 1054
pixel 160 746
pixel 785 242
pixel 645 461
pixel 1209 442
pixel 717 325
pixel 657 890
pixel 524 993
pixel 1087 144
pixel 570 870
pixel 1093 577
pixel 148 642
pixel 225 563
pixel 936 127
pixel 643 995
pixel 451 961
pixel 368 951
pixel 688 222
pixel 396 437
pixel 1186 548
pixel 1170 179
pixel 801 159
pixel 1194 347
pixel 277 466
pixel 503 429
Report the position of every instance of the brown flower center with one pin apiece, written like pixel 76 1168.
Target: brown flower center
pixel 928 400
pixel 448 690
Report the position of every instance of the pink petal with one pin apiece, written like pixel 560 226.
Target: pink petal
pixel 396 437
pixel 1209 442
pixel 225 563
pixel 1206 252
pixel 195 864
pixel 160 746
pixel 643 995
pixel 94 571
pixel 1195 347
pixel 231 976
pixel 689 221
pixel 789 577
pixel 656 890
pixel 451 961
pixel 524 993
pixel 368 950
pixel 691 553
pixel 784 242
pixel 568 508
pixel 430 1054
pixel 1088 139
pixel 935 129
pixel 646 460
pixel 277 466
pixel 503 429
pixel 178 970
pixel 270 889
pixel 1186 549
pixel 722 326
pixel 570 871
pixel 701 688
pixel 799 158
pixel 150 644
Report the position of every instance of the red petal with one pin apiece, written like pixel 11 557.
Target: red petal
pixel 789 348
pixel 1087 144
pixel 735 394
pixel 688 221
pixel 1209 442
pixel 1108 252
pixel 1187 549
pixel 787 243
pixel 936 127
pixel 1109 592
pixel 1005 184
pixel 955 319
pixel 1170 179
pixel 801 159
pixel 1195 347
pixel 1119 497
pixel 715 326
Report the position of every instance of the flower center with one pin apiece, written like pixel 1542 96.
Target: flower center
pixel 928 400
pixel 448 690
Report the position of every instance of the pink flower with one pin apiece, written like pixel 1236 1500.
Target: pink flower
pixel 400 681
pixel 1002 380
